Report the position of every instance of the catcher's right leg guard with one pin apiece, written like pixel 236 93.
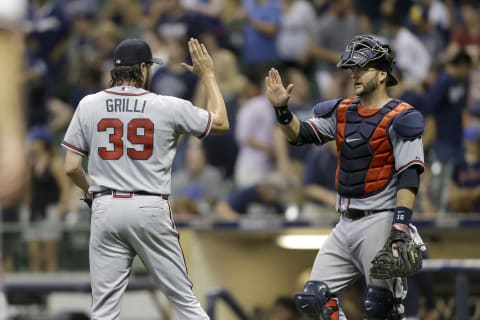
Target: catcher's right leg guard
pixel 378 303
pixel 316 301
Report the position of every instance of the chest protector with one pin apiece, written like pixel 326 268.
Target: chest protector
pixel 365 153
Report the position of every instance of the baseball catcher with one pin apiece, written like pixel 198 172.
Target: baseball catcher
pixel 380 159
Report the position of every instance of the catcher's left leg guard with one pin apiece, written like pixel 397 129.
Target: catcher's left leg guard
pixel 379 304
pixel 316 301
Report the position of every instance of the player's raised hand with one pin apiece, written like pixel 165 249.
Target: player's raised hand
pixel 276 92
pixel 202 63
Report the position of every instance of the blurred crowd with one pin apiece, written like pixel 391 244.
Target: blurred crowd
pixel 252 170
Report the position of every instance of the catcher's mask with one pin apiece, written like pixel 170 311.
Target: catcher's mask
pixel 368 51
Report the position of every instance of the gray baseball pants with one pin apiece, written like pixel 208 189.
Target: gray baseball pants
pixel 142 225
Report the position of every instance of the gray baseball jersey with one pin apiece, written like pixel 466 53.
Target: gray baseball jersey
pixel 130 136
pixel 347 253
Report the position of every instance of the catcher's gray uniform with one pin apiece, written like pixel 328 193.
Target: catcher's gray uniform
pixel 130 135
pixel 347 253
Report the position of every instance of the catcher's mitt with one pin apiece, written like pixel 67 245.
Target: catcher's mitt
pixel 399 257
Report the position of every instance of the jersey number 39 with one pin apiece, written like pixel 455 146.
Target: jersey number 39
pixel 145 138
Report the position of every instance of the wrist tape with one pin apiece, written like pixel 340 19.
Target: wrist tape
pixel 401 218
pixel 284 116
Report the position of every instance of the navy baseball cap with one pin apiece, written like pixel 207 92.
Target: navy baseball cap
pixel 133 51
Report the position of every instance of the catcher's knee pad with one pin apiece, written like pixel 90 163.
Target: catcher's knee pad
pixel 317 301
pixel 378 303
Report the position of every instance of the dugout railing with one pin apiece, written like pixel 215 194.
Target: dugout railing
pixel 223 295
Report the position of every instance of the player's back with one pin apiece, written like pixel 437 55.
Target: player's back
pixel 131 135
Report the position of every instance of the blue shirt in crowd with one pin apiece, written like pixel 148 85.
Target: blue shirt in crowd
pixel 257 47
pixel 445 101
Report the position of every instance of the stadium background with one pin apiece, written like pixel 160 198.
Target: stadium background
pixel 68 48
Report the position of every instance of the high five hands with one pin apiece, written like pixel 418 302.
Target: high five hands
pixel 202 63
pixel 276 91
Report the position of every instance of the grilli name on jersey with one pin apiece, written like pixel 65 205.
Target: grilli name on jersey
pixel 125 105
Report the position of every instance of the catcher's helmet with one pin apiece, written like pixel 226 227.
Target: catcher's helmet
pixel 366 50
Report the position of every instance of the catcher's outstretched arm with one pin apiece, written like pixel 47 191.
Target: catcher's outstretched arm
pixel 279 96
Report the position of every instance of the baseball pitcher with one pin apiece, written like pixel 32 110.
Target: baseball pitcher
pixel 380 154
pixel 129 135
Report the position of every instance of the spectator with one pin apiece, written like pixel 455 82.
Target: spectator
pixel 106 35
pixel 336 27
pixel 126 14
pixel 369 15
pixel 171 19
pixel 445 109
pixel 445 102
pixel 35 88
pixel 261 22
pixel 319 184
pixel 210 11
pixel 81 44
pixel 49 28
pixel 426 31
pixel 464 193
pixel 47 199
pixel 466 35
pixel 413 73
pixel 197 188
pixel 439 15
pixel 370 12
pixel 254 133
pixel 233 85
pixel 268 197
pixel 209 8
pixel 297 30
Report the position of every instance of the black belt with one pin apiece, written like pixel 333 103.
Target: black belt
pixel 355 214
pixel 127 194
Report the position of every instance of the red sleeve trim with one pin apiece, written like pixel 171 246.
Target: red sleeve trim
pixel 208 128
pixel 410 163
pixel 74 148
pixel 316 130
pixel 127 94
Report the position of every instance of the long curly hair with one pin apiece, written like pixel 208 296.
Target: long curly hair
pixel 120 75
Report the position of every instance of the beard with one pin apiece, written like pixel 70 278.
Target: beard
pixel 367 88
